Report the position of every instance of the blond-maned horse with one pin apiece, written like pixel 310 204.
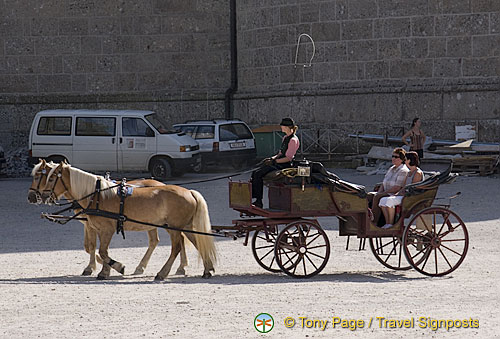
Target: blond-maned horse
pixel 40 173
pixel 173 205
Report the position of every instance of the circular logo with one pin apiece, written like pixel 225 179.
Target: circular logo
pixel 263 323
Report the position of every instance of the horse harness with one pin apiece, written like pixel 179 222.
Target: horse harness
pixel 121 218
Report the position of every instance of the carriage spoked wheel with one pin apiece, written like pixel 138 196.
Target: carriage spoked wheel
pixel 302 249
pixel 435 241
pixel 263 248
pixel 389 252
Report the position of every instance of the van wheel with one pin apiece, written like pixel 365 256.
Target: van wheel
pixel 161 169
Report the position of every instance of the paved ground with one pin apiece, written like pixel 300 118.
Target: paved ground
pixel 43 294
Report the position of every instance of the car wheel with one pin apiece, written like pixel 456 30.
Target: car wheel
pixel 161 169
pixel 199 168
pixel 56 159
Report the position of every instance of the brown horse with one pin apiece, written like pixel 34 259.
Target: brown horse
pixel 39 174
pixel 169 204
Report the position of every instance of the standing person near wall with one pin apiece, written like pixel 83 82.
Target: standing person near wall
pixel 417 138
pixel 283 159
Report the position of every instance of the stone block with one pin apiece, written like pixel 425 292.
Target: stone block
pixel 331 52
pixel 121 44
pixel 79 8
pixel 218 79
pixel 54 83
pixel 411 68
pixel 455 25
pixel 348 71
pixel 447 68
pixel 485 6
pixel 437 47
pixel 396 27
pixel 486 46
pixel 152 62
pixel 357 29
pixel 104 26
pixel 327 11
pixel 289 15
pixel 79 63
pixel 326 31
pixel 389 49
pixel 342 9
pixel 290 74
pixel 57 45
pixel 362 50
pixel 187 43
pixel 263 57
pixel 19 46
pixel 414 48
pixel 426 106
pixel 125 82
pixel 108 63
pixel 79 83
pixel 377 70
pixel 91 44
pixel 282 55
pixel 309 12
pixel 263 37
pixel 174 6
pixel 11 27
pixel 459 47
pixel 449 6
pixel 99 83
pixel 326 72
pixel 393 8
pixel 34 64
pixel 422 26
pixel 11 65
pixel 147 25
pixel 44 26
pixel 73 26
pixel 159 81
pixel 363 9
pixel 471 105
pixel 481 67
pixel 495 23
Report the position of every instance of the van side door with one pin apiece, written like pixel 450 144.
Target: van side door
pixel 137 144
pixel 95 144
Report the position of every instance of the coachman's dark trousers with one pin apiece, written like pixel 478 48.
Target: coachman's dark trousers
pixel 258 175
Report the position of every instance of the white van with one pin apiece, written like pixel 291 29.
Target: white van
pixel 112 140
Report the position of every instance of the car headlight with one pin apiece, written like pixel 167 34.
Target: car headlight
pixel 186 148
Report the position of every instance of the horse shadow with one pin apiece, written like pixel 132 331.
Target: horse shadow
pixel 225 279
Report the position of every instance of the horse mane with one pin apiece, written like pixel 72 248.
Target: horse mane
pixel 83 183
pixel 36 168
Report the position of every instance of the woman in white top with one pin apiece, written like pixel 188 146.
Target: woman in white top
pixel 415 174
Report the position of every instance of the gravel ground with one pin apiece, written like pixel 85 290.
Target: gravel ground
pixel 43 294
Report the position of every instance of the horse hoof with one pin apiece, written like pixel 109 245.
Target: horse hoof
pixel 139 271
pixel 206 275
pixel 158 278
pixel 87 272
pixel 180 271
pixel 101 277
pixel 122 271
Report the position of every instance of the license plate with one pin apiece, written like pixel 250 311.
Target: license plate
pixel 237 144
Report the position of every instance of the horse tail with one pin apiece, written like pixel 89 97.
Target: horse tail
pixel 201 223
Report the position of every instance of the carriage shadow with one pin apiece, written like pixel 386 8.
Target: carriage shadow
pixel 226 279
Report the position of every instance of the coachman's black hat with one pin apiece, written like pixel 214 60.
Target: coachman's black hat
pixel 288 122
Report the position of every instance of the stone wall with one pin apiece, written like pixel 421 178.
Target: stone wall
pixel 378 64
pixel 172 55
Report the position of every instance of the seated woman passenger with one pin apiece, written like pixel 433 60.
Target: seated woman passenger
pixel 283 159
pixel 415 174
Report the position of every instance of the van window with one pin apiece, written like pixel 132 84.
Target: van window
pixel 234 132
pixel 54 126
pixel 205 132
pixel 159 124
pixel 134 127
pixel 189 130
pixel 93 126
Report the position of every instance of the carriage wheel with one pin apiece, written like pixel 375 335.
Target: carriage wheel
pixel 302 249
pixel 435 241
pixel 389 252
pixel 263 248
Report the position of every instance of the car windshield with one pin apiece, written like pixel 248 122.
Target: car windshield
pixel 159 124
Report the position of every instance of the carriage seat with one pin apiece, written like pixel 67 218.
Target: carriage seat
pixel 319 176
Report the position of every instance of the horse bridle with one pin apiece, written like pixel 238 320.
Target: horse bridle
pixel 40 174
pixel 52 194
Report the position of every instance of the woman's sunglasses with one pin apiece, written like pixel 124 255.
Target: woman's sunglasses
pixel 396 157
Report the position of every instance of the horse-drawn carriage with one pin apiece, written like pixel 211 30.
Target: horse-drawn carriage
pixel 288 238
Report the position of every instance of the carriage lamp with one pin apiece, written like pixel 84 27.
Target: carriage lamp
pixel 303 171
